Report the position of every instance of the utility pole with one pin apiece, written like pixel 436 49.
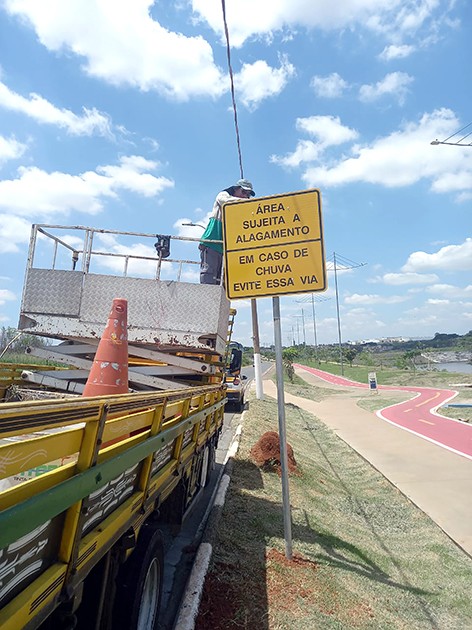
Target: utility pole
pixel 314 327
pixel 313 311
pixel 257 351
pixel 297 317
pixel 339 262
pixel 303 326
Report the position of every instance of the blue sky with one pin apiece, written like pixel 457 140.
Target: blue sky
pixel 118 115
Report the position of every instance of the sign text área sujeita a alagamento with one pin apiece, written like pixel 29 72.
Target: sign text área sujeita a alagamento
pixel 274 246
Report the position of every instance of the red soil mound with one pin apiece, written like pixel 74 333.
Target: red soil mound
pixel 266 453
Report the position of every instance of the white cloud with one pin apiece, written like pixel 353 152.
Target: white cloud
pixel 258 81
pixel 396 52
pixel 395 84
pixel 451 292
pixel 449 258
pixel 143 260
pixel 247 18
pixel 327 130
pixel 464 196
pixel 437 302
pixel 37 192
pixel 90 122
pixel 331 86
pixel 412 16
pixel 357 298
pixel 130 175
pixel 135 266
pixel 452 181
pixel 10 149
pixel 306 151
pixel 408 278
pixel 6 296
pixel 13 232
pixel 403 158
pixel 120 43
pixel 190 231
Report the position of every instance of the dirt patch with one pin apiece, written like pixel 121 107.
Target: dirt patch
pixel 296 587
pixel 231 600
pixel 266 453
pixel 286 587
pixel 218 605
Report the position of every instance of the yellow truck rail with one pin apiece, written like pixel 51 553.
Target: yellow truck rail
pixel 112 464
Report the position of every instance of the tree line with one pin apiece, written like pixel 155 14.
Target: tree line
pixel 17 342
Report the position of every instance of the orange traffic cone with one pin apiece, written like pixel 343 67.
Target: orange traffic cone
pixel 109 373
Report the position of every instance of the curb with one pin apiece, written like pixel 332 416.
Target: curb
pixel 189 607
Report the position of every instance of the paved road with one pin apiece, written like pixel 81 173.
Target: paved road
pixel 418 416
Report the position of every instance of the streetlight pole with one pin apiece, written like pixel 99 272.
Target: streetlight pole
pixel 455 142
pixel 337 310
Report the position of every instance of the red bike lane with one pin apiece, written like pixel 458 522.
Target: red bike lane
pixel 417 415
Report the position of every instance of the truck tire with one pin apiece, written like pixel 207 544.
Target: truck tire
pixel 139 583
pixel 208 464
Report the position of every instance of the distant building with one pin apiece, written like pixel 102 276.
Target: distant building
pixel 363 342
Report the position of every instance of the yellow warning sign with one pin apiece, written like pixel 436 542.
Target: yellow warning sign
pixel 274 246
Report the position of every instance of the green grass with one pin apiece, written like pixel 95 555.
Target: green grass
pixel 392 376
pixel 28 359
pixel 13 357
pixel 299 387
pixel 364 555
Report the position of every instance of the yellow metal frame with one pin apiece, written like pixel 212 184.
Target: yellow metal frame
pixel 130 419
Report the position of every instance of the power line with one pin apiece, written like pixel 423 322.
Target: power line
pixel 228 54
pixel 342 262
pixel 255 325
pixel 313 311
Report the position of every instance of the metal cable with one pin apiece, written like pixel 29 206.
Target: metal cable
pixel 228 53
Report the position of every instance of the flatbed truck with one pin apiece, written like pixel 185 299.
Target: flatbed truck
pixel 87 484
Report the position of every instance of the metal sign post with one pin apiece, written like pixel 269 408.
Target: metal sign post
pixel 274 246
pixel 282 432
pixel 373 382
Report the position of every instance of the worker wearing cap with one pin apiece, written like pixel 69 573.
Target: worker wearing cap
pixel 211 254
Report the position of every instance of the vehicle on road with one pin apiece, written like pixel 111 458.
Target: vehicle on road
pixel 235 381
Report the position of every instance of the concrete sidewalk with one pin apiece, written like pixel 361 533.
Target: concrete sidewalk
pixel 438 481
